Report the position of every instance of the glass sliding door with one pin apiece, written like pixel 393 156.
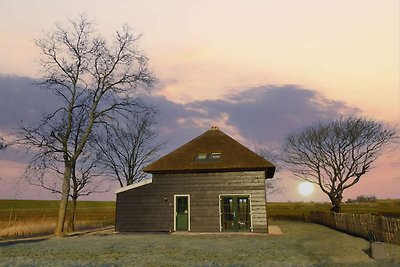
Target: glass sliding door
pixel 243 213
pixel 235 213
pixel 227 214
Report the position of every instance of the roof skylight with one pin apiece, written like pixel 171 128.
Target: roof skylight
pixel 208 156
pixel 215 155
pixel 201 156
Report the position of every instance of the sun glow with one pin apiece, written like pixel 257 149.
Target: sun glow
pixel 306 188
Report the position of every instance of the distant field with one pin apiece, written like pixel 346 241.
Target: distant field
pixel 300 210
pixel 36 217
pixel 17 210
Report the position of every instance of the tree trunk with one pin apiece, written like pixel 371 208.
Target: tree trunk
pixel 62 210
pixel 336 201
pixel 336 208
pixel 74 200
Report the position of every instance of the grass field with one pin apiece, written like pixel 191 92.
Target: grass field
pixel 38 217
pixel 301 211
pixel 302 244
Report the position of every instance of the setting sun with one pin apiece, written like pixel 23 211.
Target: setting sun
pixel 306 188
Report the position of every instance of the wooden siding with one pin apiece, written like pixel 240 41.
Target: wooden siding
pixel 145 209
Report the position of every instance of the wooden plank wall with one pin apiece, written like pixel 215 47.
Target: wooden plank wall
pixel 145 208
pixel 384 229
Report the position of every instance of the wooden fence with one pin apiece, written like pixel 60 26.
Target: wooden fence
pixel 382 228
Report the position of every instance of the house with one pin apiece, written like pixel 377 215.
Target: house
pixel 210 184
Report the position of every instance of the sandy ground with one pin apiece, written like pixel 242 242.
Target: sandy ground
pixel 301 244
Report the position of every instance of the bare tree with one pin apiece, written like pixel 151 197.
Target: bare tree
pixel 128 147
pixel 335 155
pixel 46 168
pixel 270 154
pixel 90 76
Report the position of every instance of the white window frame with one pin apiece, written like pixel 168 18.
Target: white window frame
pixel 220 210
pixel 182 195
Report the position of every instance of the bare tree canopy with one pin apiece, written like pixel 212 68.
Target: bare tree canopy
pixel 335 155
pixel 93 78
pixel 128 147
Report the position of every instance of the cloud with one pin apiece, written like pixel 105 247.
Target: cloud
pixel 22 100
pixel 263 114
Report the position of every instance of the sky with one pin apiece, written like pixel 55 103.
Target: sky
pixel 257 69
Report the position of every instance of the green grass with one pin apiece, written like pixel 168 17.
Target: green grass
pixel 301 211
pixel 302 244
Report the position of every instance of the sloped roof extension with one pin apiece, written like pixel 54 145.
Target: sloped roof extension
pixel 134 185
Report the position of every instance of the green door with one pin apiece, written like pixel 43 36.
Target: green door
pixel 235 213
pixel 182 213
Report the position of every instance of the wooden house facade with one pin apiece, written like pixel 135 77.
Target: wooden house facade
pixel 210 184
